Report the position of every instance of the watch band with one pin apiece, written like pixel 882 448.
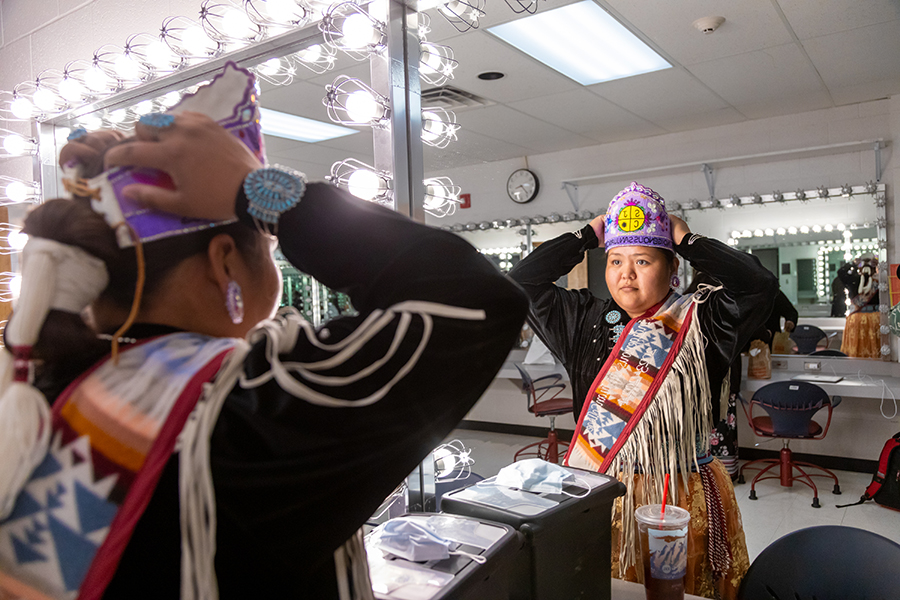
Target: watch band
pixel 272 191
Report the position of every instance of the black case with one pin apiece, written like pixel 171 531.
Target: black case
pixel 473 581
pixel 567 547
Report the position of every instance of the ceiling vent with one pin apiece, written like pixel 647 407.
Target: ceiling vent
pixel 451 98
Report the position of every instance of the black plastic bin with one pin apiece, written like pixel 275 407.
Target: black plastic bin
pixel 458 577
pixel 567 539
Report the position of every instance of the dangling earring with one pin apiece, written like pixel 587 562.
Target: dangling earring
pixel 234 302
pixel 675 282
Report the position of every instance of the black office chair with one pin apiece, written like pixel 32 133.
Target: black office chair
pixel 828 562
pixel 549 448
pixel 828 353
pixel 790 406
pixel 807 338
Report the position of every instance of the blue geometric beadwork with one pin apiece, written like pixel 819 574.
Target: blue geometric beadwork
pixel 273 191
pixel 613 317
pixel 158 120
pixel 616 332
pixel 77 134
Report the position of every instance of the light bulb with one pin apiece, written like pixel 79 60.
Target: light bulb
pixel 310 54
pixel 126 68
pixel 15 285
pixel 282 11
pixel 17 191
pixel 237 24
pixel 117 116
pixel 16 239
pixel 15 145
pixel 841 227
pixel 22 108
pixel 758 233
pixel 770 231
pixel 270 67
pixel 44 99
pixel 357 31
pixel 144 107
pixel 170 99
pixel 781 231
pixel 436 195
pixel 829 228
pixel 746 233
pixel 735 234
pixel 160 55
pixel 432 126
pixel 817 229
pixel 96 79
pixel 71 90
pixel 364 184
pixel 792 230
pixel 196 42
pixel 363 108
pixel 91 122
pixel 804 229
pixel 429 59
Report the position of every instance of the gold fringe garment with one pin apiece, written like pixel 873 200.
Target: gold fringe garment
pixel 861 337
pixel 698 579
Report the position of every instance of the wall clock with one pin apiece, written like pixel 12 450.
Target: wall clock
pixel 522 186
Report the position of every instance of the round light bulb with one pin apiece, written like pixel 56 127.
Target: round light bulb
pixel 17 191
pixel 792 230
pixel 16 239
pixel 282 11
pixel 735 234
pixel 781 231
pixel 804 229
pixel 436 195
pixel 15 145
pixel 196 42
pixel 15 285
pixel 117 116
pixel 71 90
pixel 364 184
pixel 160 55
pixel 238 25
pixel 22 108
pixel 770 231
pixel 363 108
pixel 170 99
pixel 270 67
pixel 829 228
pixel 311 54
pixel 126 68
pixel 91 122
pixel 429 59
pixel 746 233
pixel 96 79
pixel 817 229
pixel 44 99
pixel 841 227
pixel 144 107
pixel 758 233
pixel 453 8
pixel 432 126
pixel 357 31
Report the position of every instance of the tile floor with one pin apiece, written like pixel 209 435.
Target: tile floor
pixel 777 512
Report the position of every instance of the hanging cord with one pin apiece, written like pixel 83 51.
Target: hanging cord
pixel 869 380
pixel 138 289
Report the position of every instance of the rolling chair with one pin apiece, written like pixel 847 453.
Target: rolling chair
pixel 790 406
pixel 536 390
pixel 827 562
pixel 807 338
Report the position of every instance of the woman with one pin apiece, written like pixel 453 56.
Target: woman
pixel 861 338
pixel 305 431
pixel 645 367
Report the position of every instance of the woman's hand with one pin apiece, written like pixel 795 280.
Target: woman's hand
pixel 598 225
pixel 679 229
pixel 206 163
pixel 88 149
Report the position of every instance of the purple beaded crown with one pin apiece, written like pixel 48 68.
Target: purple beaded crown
pixel 637 217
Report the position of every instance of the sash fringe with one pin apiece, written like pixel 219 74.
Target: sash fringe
pixel 668 437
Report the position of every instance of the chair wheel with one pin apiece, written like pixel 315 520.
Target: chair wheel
pixel 815 503
pixel 837 490
pixel 753 495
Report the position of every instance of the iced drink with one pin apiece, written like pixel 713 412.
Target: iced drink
pixel 663 550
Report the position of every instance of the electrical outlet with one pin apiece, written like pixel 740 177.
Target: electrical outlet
pixel 812 366
pixel 779 363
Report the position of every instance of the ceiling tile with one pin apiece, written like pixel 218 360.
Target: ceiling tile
pixel 808 19
pixel 862 55
pixel 471 148
pixel 684 95
pixel 711 118
pixel 515 127
pixel 748 26
pixel 761 76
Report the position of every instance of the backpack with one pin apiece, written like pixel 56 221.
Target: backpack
pixel 885 486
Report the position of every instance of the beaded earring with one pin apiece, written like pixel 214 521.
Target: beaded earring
pixel 234 302
pixel 675 282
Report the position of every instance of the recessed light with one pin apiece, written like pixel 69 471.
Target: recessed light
pixel 491 75
pixel 292 127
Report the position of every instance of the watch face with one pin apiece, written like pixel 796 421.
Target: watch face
pixel 522 186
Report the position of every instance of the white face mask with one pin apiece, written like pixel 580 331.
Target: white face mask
pixel 416 542
pixel 535 475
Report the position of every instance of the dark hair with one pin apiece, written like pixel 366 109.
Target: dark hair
pixel 67 345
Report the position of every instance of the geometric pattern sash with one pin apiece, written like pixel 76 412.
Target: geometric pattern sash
pixel 627 384
pixel 114 430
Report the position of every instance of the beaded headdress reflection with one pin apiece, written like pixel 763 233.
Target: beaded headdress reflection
pixel 231 99
pixel 637 217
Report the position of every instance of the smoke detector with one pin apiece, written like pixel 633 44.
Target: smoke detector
pixel 708 24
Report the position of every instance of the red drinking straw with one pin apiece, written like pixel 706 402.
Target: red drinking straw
pixel 665 494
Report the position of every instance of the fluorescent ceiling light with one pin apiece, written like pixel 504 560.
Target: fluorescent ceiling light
pixel 301 129
pixel 583 42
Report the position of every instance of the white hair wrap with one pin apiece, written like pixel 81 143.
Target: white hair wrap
pixel 54 276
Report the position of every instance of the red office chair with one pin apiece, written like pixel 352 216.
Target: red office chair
pixel 536 389
pixel 790 406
